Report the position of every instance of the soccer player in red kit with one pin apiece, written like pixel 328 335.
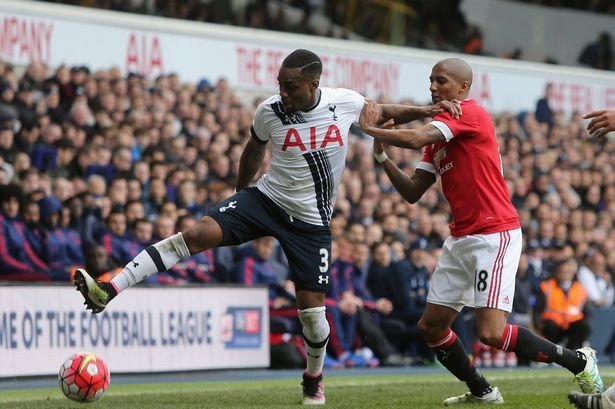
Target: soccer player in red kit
pixel 479 261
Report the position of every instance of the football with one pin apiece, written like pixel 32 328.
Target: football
pixel 84 377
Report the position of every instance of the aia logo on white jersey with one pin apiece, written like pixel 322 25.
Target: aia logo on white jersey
pixel 300 140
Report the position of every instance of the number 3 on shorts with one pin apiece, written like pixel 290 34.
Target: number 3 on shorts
pixel 324 260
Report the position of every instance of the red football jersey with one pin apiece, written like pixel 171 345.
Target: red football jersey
pixel 470 166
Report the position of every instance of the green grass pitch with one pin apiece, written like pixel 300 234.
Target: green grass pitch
pixel 527 389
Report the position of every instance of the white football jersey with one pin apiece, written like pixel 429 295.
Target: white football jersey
pixel 308 152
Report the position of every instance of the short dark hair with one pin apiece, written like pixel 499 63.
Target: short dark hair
pixel 309 63
pixel 12 190
pixel 64 144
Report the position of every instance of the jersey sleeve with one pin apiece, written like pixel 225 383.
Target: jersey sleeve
pixel 259 130
pixel 452 128
pixel 355 102
pixel 426 162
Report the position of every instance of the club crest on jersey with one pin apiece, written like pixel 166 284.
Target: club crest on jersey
pixel 439 156
pixel 332 109
pixel 231 205
pixel 296 139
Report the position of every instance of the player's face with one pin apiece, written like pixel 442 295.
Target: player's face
pixel 443 86
pixel 297 91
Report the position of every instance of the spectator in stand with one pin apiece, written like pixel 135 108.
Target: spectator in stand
pixel 92 218
pixel 97 260
pixel 61 246
pixel 25 104
pixel 386 280
pixel 115 239
pixel 187 198
pixel 349 308
pixel 598 54
pixel 118 191
pixel 157 196
pixel 474 41
pixel 598 282
pixel 7 92
pixel 544 113
pixel 370 311
pixel 17 259
pixel 255 265
pixel 361 257
pixel 34 231
pixel 526 292
pixel 134 210
pixel 8 147
pixel 561 310
pixel 340 314
pixel 45 153
pixel 143 232
pixel 135 190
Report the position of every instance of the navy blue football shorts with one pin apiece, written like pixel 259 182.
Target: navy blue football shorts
pixel 250 214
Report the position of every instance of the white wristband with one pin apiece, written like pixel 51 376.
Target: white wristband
pixel 381 157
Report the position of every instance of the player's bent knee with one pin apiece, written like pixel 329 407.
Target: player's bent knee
pixel 491 338
pixel 430 330
pixel 315 325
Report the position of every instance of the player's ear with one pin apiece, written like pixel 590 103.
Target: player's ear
pixel 465 88
pixel 314 84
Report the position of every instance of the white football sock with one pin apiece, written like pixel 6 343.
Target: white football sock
pixel 315 338
pixel 154 259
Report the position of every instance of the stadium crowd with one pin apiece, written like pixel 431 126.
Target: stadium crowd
pixel 435 24
pixel 96 166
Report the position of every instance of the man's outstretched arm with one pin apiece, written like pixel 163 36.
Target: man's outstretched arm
pixel 402 114
pixel 411 188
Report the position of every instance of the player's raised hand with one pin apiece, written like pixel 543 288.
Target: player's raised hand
pixel 453 107
pixel 602 122
pixel 370 115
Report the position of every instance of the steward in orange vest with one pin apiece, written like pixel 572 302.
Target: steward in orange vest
pixel 561 307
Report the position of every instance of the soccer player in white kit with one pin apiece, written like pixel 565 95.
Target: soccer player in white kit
pixel 307 127
pixel 479 261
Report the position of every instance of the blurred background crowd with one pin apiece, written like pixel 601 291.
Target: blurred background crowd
pixel 431 24
pixel 97 165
